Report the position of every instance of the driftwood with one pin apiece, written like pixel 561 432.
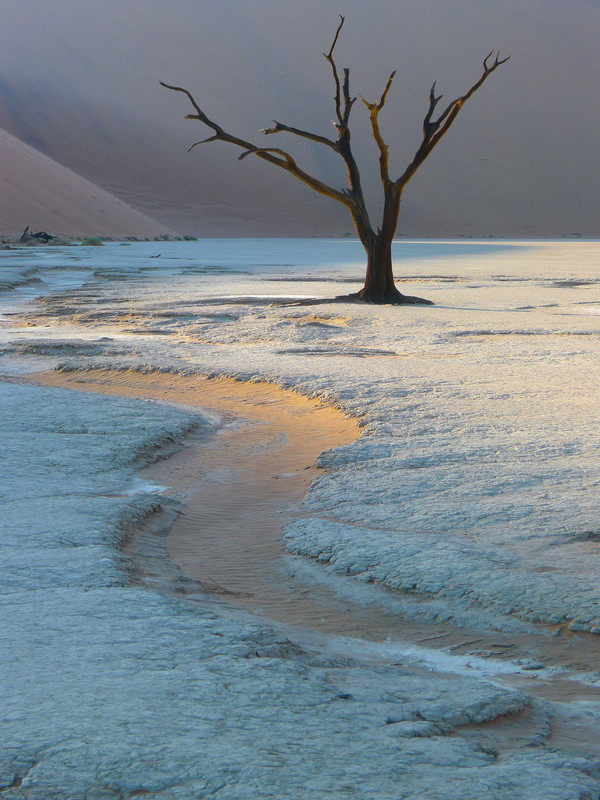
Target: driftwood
pixel 41 236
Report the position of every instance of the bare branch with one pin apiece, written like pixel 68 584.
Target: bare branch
pixel 335 38
pixel 378 106
pixel 273 155
pixel 386 90
pixel 433 101
pixel 457 104
pixel 258 150
pixel 191 99
pixel 374 109
pixel 433 130
pixel 336 77
pixel 497 62
pixel 202 141
pixel 278 127
pixel 352 198
pixel 348 101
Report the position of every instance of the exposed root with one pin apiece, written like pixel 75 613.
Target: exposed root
pixel 390 298
pixel 395 298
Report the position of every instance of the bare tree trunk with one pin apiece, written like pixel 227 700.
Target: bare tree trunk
pixel 379 280
pixel 379 285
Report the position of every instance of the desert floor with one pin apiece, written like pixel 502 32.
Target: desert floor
pixel 256 548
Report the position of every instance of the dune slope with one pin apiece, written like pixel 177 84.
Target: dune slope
pixel 37 191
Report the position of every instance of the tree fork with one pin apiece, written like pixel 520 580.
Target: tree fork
pixel 379 286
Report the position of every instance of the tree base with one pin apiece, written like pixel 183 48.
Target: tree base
pixel 393 298
pixel 390 298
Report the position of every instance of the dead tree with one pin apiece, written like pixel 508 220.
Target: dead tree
pixel 379 284
pixel 41 236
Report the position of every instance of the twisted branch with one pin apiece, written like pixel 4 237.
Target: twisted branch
pixel 374 109
pixel 278 127
pixel 342 89
pixel 434 130
pixel 280 158
pixel 348 101
pixel 336 77
pixel 260 150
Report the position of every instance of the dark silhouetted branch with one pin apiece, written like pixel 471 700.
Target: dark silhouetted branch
pixel 336 77
pixel 434 130
pixel 278 127
pixel 273 155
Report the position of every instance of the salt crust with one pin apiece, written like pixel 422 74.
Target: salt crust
pixel 482 447
pixel 112 689
pixel 109 689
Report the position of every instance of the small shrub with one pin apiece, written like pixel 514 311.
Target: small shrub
pixel 92 241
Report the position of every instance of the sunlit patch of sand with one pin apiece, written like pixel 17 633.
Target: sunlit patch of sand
pixel 316 319
pixel 241 487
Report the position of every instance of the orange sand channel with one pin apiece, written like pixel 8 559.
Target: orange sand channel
pixel 243 485
pixel 240 486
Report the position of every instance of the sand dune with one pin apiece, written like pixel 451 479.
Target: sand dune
pixel 37 191
pixel 82 87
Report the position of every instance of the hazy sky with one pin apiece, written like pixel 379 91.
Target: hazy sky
pixel 79 81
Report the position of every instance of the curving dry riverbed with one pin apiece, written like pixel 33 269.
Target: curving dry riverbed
pixel 243 484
